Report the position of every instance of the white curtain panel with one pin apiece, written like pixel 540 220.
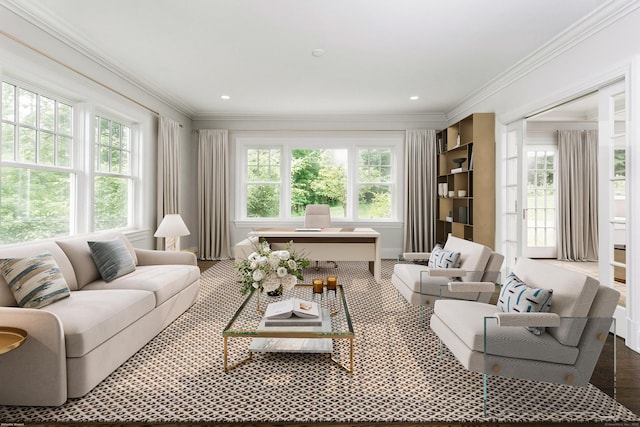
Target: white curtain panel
pixel 578 195
pixel 420 160
pixel 168 170
pixel 213 194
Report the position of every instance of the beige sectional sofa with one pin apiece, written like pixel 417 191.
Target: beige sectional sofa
pixel 76 342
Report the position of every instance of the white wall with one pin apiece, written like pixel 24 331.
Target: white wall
pixel 30 55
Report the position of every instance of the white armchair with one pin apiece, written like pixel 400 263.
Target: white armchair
pixel 422 285
pixel 496 343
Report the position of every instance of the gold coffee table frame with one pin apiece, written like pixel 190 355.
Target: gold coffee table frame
pixel 245 322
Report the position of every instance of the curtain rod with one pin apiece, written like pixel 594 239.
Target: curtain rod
pixel 75 70
pixel 309 130
pixel 553 107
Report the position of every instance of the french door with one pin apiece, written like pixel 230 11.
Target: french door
pixel 512 160
pixel 539 212
pixel 613 143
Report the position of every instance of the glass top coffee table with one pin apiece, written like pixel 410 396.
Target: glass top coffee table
pixel 248 322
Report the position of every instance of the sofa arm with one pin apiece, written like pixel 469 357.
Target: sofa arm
pixel 472 286
pixel 153 257
pixel 528 319
pixel 34 374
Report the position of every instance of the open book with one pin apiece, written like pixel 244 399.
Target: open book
pixel 292 307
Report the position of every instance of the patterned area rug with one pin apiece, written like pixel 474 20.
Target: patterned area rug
pixel 399 376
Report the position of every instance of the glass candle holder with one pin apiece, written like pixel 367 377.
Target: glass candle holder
pixel 332 283
pixel 318 286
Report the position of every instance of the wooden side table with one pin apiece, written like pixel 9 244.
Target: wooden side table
pixel 11 338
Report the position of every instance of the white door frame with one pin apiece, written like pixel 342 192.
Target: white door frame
pixel 630 71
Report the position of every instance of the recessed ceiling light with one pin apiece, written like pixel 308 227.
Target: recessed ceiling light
pixel 414 98
pixel 318 52
pixel 225 97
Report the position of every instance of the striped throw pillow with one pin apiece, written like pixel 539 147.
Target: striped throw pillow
pixel 35 281
pixel 516 296
pixel 113 259
pixel 441 258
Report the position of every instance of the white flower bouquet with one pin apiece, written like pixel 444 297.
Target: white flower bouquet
pixel 270 270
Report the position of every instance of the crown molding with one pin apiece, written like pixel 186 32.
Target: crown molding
pixel 346 117
pixel 49 24
pixel 596 21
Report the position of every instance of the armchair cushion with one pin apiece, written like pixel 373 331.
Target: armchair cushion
pixel 466 319
pixel 419 281
pixel 517 297
pixel 473 257
pixel 34 281
pixel 573 294
pixel 441 258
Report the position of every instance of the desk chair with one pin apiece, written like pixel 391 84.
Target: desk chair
pixel 318 216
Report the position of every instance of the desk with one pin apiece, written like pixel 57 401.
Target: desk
pixel 329 244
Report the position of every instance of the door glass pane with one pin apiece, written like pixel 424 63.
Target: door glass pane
pixel 541 203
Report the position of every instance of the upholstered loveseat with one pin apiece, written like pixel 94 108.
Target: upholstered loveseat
pixel 77 341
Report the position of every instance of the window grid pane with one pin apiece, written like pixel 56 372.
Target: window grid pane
pixel 374 190
pixel 541 198
pixel 113 182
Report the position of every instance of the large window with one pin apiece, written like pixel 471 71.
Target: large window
pixel 36 179
pixel 263 182
pixel 374 183
pixel 357 180
pixel 113 181
pixel 45 187
pixel 319 176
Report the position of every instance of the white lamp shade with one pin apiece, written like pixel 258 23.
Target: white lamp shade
pixel 172 225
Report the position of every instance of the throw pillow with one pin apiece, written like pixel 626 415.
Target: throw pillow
pixel 516 296
pixel 112 258
pixel 442 258
pixel 35 281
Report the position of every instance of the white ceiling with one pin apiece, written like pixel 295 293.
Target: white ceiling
pixel 378 52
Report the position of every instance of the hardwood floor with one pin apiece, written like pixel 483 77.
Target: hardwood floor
pixel 628 374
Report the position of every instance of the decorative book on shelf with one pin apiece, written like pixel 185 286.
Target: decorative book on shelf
pixel 293 312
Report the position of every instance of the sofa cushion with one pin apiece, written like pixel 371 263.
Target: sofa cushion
pixel 77 250
pixel 34 281
pixel 573 294
pixel 112 258
pixel 411 274
pixel 90 318
pixel 30 249
pixel 466 320
pixel 164 281
pixel 441 258
pixel 517 297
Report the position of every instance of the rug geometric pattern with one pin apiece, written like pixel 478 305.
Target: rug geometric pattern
pixel 399 376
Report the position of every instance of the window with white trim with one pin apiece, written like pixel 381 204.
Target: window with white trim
pixel 37 176
pixel 45 188
pixel 356 177
pixel 113 179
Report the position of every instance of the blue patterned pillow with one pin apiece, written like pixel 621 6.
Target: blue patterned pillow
pixel 517 297
pixel 113 259
pixel 35 282
pixel 441 258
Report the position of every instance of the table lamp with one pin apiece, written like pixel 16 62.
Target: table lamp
pixel 171 228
